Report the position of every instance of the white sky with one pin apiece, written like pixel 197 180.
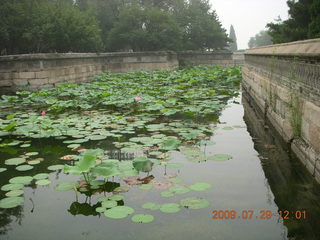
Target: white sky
pixel 248 17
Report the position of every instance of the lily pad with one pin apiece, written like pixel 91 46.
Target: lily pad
pixel 116 197
pixel 31 153
pixel 23 168
pixel 66 186
pixel 175 180
pixel 220 157
pixel 119 212
pixel 43 182
pixel 41 176
pixel 2 170
pixel 146 187
pixel 12 186
pixel 15 193
pixel 15 161
pixel 109 204
pixel 11 202
pixel 179 189
pixel 22 180
pixel 55 167
pixel 170 208
pixel 200 186
pixel 33 162
pixel 142 218
pixel 194 203
pixel 100 209
pixel 151 206
pixel 166 194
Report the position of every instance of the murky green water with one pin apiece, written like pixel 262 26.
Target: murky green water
pixel 260 177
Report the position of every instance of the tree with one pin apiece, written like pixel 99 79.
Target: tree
pixel 32 26
pixel 261 39
pixel 232 35
pixel 303 22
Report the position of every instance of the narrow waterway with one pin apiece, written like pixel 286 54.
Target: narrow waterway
pixel 261 178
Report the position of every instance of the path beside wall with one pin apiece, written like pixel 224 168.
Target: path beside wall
pixel 284 81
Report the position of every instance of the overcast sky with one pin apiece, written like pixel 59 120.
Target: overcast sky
pixel 248 17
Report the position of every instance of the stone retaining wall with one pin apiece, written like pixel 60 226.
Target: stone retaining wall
pixel 195 58
pixel 284 81
pixel 35 71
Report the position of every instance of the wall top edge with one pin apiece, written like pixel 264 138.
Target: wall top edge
pixel 52 56
pixel 222 51
pixel 305 48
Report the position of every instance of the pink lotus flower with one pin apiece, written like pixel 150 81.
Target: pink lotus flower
pixel 137 98
pixel 43 113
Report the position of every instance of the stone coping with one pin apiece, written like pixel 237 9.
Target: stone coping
pixel 53 56
pixel 306 48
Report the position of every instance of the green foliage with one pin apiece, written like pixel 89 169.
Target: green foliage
pixel 261 39
pixel 46 26
pixel 303 22
pixel 233 45
pixel 32 26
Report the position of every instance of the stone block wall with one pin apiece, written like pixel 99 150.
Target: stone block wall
pixel 284 81
pixel 195 58
pixel 36 71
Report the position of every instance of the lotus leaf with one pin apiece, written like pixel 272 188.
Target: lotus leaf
pixel 142 218
pixel 170 208
pixel 119 212
pixel 11 202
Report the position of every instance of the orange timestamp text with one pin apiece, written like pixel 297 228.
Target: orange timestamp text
pixel 258 214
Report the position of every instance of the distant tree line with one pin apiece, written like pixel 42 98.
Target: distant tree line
pixel 33 26
pixel 261 39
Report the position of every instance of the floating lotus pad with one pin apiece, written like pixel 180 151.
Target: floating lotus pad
pixel 142 218
pixel 33 162
pixel 2 170
pixel 119 212
pixel 116 197
pixel 15 193
pixel 200 186
pixel 43 182
pixel 175 180
pixel 194 203
pixel 109 204
pixel 11 202
pixel 166 194
pixel 100 209
pixel 122 189
pixel 23 168
pixel 22 180
pixel 151 206
pixel 55 167
pixel 179 190
pixel 15 161
pixel 41 176
pixel 31 153
pixel 66 186
pixel 12 186
pixel 146 187
pixel 220 157
pixel 170 208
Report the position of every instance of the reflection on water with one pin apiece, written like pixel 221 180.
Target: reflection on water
pixel 293 187
pixel 261 176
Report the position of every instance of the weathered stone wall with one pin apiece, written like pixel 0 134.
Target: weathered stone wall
pixel 195 58
pixel 36 71
pixel 284 81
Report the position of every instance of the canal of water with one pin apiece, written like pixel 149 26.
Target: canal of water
pixel 261 178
